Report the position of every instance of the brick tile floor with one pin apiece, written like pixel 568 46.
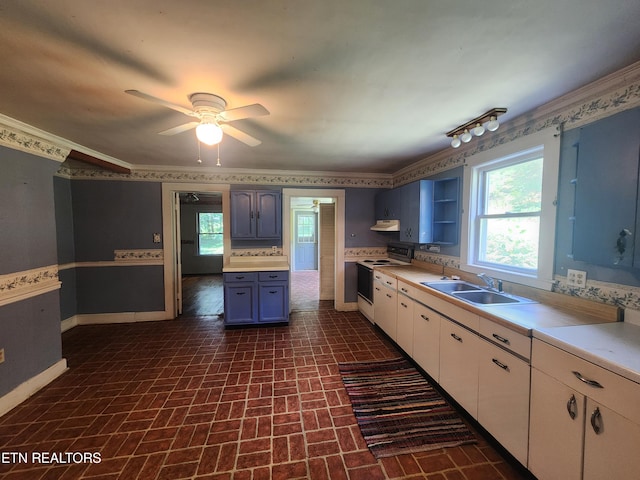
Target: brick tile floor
pixel 185 399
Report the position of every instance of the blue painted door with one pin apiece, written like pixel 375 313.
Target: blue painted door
pixel 306 241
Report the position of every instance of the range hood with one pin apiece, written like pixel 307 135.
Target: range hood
pixel 386 226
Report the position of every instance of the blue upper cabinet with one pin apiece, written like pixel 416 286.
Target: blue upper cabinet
pixel 256 214
pixel 416 212
pixel 606 201
pixel 387 205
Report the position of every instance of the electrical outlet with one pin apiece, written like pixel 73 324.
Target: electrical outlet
pixel 576 278
pixel 1 355
pixel 157 238
pixel 274 249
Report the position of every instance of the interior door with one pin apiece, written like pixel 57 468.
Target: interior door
pixel 177 281
pixel 306 240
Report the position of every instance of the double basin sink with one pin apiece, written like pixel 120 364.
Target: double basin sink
pixel 474 294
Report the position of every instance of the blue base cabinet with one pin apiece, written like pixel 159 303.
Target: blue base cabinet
pixel 252 298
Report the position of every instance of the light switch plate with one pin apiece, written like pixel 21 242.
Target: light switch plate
pixel 576 278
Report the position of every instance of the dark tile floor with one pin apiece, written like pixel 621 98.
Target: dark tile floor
pixel 187 399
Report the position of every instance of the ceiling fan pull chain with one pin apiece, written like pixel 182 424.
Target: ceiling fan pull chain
pixel 218 164
pixel 199 159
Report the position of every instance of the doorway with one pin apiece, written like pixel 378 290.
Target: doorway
pixel 313 240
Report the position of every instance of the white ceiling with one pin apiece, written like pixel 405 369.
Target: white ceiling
pixel 352 85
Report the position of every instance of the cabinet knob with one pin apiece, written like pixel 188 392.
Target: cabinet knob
pixel 572 407
pixel 596 421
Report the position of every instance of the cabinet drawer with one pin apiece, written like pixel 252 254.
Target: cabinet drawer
pixel 408 290
pixel 616 392
pixel 505 337
pixel 273 276
pixel 460 315
pixel 386 280
pixel 240 277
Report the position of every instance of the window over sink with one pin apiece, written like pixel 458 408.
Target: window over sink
pixel 509 216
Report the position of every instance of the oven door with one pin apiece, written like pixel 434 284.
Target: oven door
pixel 365 283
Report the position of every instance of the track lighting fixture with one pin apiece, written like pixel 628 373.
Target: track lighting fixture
pixel 477 126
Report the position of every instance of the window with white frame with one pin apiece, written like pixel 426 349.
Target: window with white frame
pixel 508 228
pixel 210 238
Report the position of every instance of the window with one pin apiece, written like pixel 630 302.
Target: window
pixel 210 239
pixel 306 228
pixel 509 221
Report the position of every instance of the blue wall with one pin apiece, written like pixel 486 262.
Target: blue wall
pixel 30 328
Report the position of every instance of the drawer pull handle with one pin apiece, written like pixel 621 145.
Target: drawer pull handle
pixel 273 276
pixel 424 317
pixel 572 407
pixel 596 421
pixel 591 383
pixel 389 283
pixel 403 304
pixel 456 337
pixel 500 364
pixel 404 290
pixel 501 339
pixel 239 277
pixel 240 293
pixel 388 295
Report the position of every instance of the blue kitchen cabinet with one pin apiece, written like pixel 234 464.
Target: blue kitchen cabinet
pixel 273 297
pixel 445 211
pixel 416 212
pixel 606 192
pixel 240 298
pixel 256 214
pixel 251 298
pixel 387 205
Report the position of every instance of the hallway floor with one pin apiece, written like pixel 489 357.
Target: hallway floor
pixel 187 399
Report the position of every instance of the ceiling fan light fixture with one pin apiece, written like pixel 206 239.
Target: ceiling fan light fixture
pixel 209 133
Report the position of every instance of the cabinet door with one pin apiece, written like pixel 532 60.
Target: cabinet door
pixel 426 340
pixel 240 302
pixel 459 365
pixel 606 188
pixel 384 303
pixel 610 445
pixel 503 398
pixel 556 427
pixel 243 215
pixel 269 214
pixel 273 302
pixel 404 324
pixel 387 205
pixel 416 212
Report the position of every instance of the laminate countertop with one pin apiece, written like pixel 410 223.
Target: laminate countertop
pixel 256 264
pixel 522 318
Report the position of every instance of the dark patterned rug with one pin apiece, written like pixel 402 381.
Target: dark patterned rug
pixel 398 411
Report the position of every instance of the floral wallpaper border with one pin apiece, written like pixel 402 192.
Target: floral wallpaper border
pixel 31 144
pixel 623 296
pixel 256 252
pixel 28 283
pixel 139 255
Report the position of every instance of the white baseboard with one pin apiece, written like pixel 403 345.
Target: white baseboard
pixel 104 318
pixel 23 391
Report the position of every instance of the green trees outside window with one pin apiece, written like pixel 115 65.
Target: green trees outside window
pixel 210 239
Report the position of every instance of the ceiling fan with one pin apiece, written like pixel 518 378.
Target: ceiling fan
pixel 212 117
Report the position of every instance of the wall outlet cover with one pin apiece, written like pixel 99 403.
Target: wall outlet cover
pixel 576 278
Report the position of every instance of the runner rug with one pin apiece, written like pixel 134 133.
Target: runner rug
pixel 398 411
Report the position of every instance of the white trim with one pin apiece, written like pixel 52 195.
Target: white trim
pixel 68 323
pixel 339 196
pixel 550 140
pixel 117 317
pixel 25 390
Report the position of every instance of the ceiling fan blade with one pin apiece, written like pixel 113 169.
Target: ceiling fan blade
pixel 159 101
pixel 179 128
pixel 240 135
pixel 248 111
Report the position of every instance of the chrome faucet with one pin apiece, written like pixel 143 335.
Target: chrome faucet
pixel 491 282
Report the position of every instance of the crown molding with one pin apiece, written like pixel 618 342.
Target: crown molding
pixel 21 136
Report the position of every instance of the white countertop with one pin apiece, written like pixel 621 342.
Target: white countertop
pixel 256 264
pixel 613 346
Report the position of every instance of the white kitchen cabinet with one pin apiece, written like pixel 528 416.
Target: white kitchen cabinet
pixel 404 323
pixel 555 430
pixel 426 339
pixel 503 398
pixel 459 364
pixel 602 440
pixel 385 303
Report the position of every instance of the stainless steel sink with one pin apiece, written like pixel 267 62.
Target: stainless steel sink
pixel 474 294
pixel 487 297
pixel 450 286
